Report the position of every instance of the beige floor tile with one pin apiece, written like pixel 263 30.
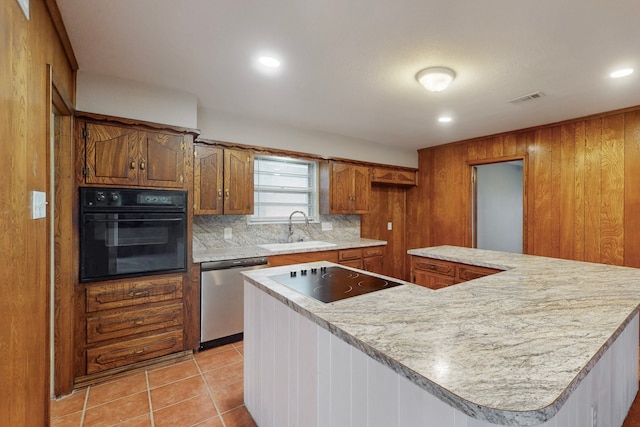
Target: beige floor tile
pixel 229 396
pixel 239 417
pixel 70 420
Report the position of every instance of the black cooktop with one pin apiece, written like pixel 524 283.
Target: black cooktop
pixel 329 284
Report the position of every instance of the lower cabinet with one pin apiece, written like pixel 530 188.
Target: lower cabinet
pixel 130 321
pixel 368 259
pixel 437 274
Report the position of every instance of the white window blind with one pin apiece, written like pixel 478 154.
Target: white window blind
pixel 283 185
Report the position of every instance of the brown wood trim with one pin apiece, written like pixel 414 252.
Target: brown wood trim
pixel 99 377
pixel 540 127
pixel 134 123
pixel 297 154
pixel 58 23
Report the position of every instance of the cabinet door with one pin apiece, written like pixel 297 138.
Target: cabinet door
pixel 361 190
pixel 207 180
pixel 238 182
pixel 111 155
pixel 341 188
pixel 161 161
pixel 374 264
pixel 430 280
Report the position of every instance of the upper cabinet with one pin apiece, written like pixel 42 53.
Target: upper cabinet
pixel 223 181
pixel 125 156
pixel 345 188
pixel 393 176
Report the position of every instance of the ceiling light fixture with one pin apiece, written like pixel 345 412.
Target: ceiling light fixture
pixel 444 119
pixel 621 73
pixel 436 79
pixel 269 61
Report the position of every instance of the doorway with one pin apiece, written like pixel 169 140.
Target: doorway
pixel 498 205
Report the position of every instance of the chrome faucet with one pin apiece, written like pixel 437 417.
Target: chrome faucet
pixel 306 221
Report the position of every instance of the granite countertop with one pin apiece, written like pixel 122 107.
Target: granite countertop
pixel 229 253
pixel 508 348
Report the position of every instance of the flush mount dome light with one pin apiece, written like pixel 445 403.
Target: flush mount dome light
pixel 435 79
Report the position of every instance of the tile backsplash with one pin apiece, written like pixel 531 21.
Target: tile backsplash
pixel 209 230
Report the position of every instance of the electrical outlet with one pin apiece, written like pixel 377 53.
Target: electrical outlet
pixel 389 226
pixel 326 226
pixel 594 415
pixel 228 232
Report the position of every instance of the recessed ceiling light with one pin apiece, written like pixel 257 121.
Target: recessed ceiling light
pixel 444 119
pixel 621 73
pixel 269 61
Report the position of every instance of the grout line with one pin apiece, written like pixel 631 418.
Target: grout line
pixel 146 376
pixel 84 406
pixel 210 393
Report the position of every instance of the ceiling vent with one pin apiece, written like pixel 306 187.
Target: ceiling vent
pixel 528 97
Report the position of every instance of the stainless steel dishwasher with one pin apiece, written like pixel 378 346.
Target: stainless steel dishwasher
pixel 221 300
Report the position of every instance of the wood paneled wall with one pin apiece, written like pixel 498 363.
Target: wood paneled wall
pixel 28 47
pixel 388 204
pixel 582 188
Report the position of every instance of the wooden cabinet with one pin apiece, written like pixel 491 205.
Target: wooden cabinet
pixel 302 257
pixel 115 155
pixel 368 259
pixel 131 321
pixel 437 274
pixel 393 176
pixel 223 181
pixel 345 188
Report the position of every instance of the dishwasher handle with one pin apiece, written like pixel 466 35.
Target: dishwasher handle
pixel 233 263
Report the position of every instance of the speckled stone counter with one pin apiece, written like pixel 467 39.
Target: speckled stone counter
pixel 223 254
pixel 509 348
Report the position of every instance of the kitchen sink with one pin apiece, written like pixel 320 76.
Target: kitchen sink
pixel 310 244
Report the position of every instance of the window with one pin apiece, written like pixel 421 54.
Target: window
pixel 283 185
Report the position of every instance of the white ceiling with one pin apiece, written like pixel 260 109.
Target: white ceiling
pixel 348 66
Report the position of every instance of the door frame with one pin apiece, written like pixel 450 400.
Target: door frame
pixel 474 214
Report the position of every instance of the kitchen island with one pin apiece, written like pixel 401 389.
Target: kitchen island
pixel 546 342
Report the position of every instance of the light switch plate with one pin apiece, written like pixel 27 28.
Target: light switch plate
pixel 389 226
pixel 38 204
pixel 326 226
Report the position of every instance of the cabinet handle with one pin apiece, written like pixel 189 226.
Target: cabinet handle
pixel 142 164
pixel 226 194
pixel 432 267
pixel 138 294
pixel 219 193
pixel 139 350
pixel 132 165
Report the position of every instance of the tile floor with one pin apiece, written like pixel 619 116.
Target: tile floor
pixel 205 391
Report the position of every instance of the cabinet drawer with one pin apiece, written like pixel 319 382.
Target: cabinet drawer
pixel 356 263
pixel 349 254
pixel 440 267
pixel 374 251
pixel 136 350
pixel 100 328
pixel 432 281
pixel 470 272
pixel 125 294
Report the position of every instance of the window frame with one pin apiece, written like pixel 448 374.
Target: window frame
pixel 313 191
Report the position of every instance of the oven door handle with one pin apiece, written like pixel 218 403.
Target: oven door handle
pixel 135 220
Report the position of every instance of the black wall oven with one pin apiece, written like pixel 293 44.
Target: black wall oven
pixel 131 232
